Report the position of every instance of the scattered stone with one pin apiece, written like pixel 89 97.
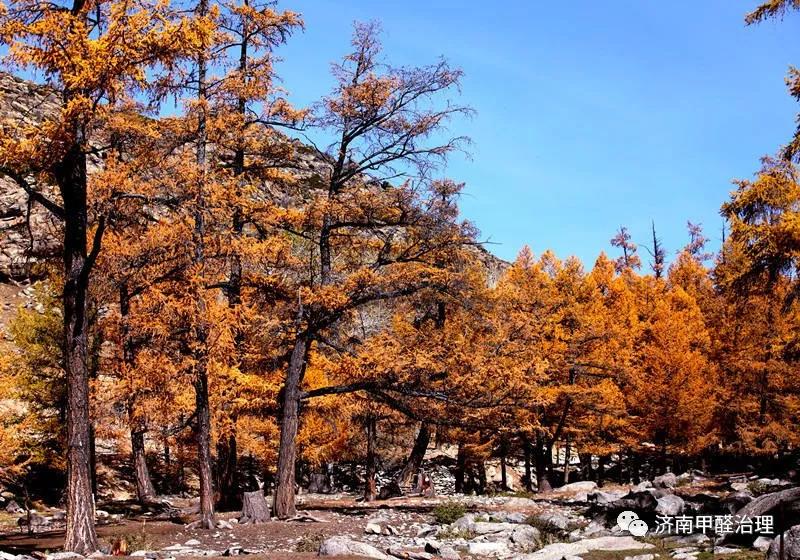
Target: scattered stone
pixel 427 531
pixel 641 557
pixel 409 554
pixel 487 528
pixel 343 546
pixel 373 528
pixel 557 551
pixel 232 551
pixel 516 517
pixel 668 480
pixel 448 553
pixel 14 507
pixel 553 519
pixel 582 486
pixel 64 556
pixel 791 545
pixel 223 524
pixel 670 505
pixel 495 549
pixel 526 536
pixel 722 550
pixel 192 542
pixel 762 543
pixel 601 497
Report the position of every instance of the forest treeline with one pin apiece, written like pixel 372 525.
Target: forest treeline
pixel 288 300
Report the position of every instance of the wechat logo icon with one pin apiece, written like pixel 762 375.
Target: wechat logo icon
pixel 629 521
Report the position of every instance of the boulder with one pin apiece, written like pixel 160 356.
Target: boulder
pixel 14 507
pixel 670 505
pixel 791 545
pixel 343 546
pixel 734 502
pixel 557 551
pixel 516 517
pixel 526 537
pixel 668 480
pixel 495 549
pixel 465 523
pixel 64 556
pixel 442 551
pixel 553 520
pixel 762 543
pixel 582 486
pixel 373 528
pixel 602 497
pixel 487 528
pixel 768 504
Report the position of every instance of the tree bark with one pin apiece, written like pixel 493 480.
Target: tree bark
pixel 254 508
pixel 416 456
pixel 70 175
pixel 528 470
pixel 228 479
pixel 370 485
pixel 567 449
pixel 461 469
pixel 204 451
pixel 543 459
pixel 201 329
pixel 601 469
pixel 283 502
pixel 503 474
pixel 144 484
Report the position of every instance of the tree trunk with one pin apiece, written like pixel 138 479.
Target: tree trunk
pixel 543 460
pixel 283 501
pixel 417 455
pixel 567 449
pixel 370 485
pixel 461 469
pixel 481 467
pixel 601 469
pixel 93 458
pixel 144 485
pixel 70 175
pixel 503 474
pixel 228 479
pixel 528 471
pixel 204 452
pixel 254 508
pixel 201 328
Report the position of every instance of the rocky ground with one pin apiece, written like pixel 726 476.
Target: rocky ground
pixel 575 522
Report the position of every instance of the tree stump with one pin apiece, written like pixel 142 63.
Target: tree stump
pixel 254 508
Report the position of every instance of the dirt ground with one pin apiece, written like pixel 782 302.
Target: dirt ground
pixel 276 539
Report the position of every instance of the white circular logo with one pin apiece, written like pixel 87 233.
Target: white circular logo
pixel 629 521
pixel 625 518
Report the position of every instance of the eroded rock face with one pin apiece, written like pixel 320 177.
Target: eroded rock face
pixel 791 545
pixel 27 229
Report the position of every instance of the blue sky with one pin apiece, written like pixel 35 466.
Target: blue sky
pixel 590 114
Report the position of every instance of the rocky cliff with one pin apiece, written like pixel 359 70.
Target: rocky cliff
pixel 27 230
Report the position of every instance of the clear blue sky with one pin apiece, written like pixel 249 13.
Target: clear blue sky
pixel 590 114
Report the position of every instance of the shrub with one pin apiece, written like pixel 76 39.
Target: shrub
pixel 448 512
pixel 310 542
